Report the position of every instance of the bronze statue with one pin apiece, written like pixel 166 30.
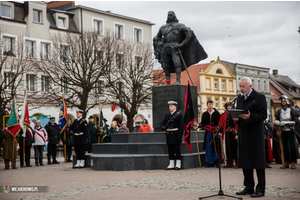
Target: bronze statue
pixel 176 47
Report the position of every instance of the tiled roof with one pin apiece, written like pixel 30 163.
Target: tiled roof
pixel 282 83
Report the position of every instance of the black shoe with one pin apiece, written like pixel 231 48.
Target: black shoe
pixel 169 168
pixel 6 168
pixel 69 160
pixel 177 168
pixel 49 162
pixel 258 194
pixel 41 164
pixel 245 192
pixel 37 164
pixel 14 167
pixel 28 165
pixel 209 165
pixel 55 162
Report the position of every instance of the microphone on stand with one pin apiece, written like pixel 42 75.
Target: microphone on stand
pixel 235 98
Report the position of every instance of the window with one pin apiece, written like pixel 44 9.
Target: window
pixel 45 83
pixel 137 35
pixel 99 87
pixel 98 27
pixel 223 85
pixel 64 84
pixel 219 71
pixel 265 86
pixel 224 100
pixel 138 61
pixel 5 11
pixel 8 44
pixel 120 87
pixel 8 80
pixel 61 22
pixel 217 102
pixel 30 49
pixel 216 84
pixel 231 85
pixel 119 32
pixel 45 49
pixel 258 85
pixel 37 16
pixel 119 60
pixel 64 53
pixel 99 56
pixel 30 82
pixel 207 83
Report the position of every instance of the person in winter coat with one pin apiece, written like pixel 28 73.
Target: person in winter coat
pixel 9 149
pixel 40 137
pixel 53 132
pixel 29 142
pixel 145 127
pixel 123 128
pixel 251 138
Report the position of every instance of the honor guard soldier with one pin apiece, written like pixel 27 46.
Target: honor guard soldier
pixel 285 119
pixel 173 125
pixel 80 131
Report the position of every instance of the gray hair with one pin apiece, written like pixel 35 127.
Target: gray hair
pixel 38 121
pixel 249 82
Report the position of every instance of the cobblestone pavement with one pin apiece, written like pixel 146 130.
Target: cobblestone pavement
pixel 64 183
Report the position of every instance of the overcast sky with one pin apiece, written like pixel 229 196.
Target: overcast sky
pixel 262 34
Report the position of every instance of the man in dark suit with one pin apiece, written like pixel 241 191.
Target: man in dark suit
pixel 173 125
pixel 80 130
pixel 251 140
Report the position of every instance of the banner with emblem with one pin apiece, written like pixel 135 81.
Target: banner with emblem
pixel 189 117
pixel 13 126
pixel 63 116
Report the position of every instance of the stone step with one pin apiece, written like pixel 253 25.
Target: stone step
pixel 124 162
pixel 140 148
pixel 148 137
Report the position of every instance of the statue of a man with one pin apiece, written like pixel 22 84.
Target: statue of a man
pixel 172 40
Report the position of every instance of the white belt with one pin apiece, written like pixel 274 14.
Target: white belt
pixel 172 129
pixel 81 133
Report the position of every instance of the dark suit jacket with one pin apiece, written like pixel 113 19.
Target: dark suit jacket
pixel 251 140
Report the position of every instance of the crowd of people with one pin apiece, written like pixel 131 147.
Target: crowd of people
pixel 77 135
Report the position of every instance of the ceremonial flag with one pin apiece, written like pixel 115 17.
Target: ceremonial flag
pixel 101 119
pixel 63 115
pixel 188 116
pixel 25 121
pixel 113 107
pixel 13 126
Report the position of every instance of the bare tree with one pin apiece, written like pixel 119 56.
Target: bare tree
pixel 76 66
pixel 129 81
pixel 14 63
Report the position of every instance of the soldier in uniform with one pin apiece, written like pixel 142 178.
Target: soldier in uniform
pixel 53 131
pixel 68 141
pixel 173 125
pixel 80 130
pixel 286 118
pixel 106 132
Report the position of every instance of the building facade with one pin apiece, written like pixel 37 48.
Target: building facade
pixel 35 23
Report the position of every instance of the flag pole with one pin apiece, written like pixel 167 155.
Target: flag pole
pixel 198 148
pixel 100 109
pixel 13 155
pixel 23 160
pixel 65 146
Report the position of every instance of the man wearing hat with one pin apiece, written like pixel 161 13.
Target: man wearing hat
pixel 53 131
pixel 93 131
pixel 285 119
pixel 173 125
pixel 106 133
pixel 80 131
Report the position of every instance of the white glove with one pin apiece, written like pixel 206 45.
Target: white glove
pixel 46 143
pixel 32 144
pixel 282 123
pixel 277 122
pixel 23 135
pixel 290 123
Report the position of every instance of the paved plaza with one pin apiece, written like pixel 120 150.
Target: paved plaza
pixel 65 183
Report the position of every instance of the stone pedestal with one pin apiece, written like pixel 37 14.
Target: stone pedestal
pixel 164 93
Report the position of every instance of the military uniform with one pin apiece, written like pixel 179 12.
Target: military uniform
pixel 68 141
pixel 80 130
pixel 9 149
pixel 285 119
pixel 29 139
pixel 173 125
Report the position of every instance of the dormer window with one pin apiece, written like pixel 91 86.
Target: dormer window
pixel 6 11
pixel 37 16
pixel 219 71
pixel 61 22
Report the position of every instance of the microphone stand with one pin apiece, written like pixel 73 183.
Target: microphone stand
pixel 216 135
